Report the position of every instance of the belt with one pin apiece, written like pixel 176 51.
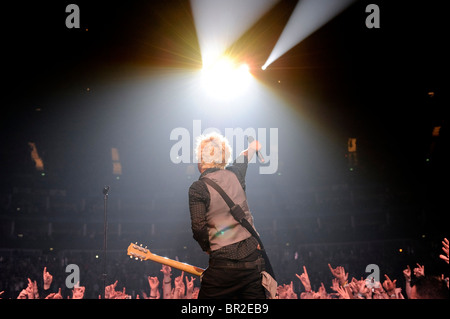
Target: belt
pixel 223 263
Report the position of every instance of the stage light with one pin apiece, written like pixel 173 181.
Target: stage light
pixel 244 69
pixel 220 23
pixel 307 17
pixel 225 79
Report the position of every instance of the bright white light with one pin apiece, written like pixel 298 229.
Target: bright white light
pixel 224 79
pixel 219 23
pixel 244 69
pixel 307 17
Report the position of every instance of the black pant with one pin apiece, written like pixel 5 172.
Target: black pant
pixel 222 282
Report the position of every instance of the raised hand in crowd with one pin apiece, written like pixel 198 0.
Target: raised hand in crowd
pixel 189 287
pixel 407 275
pixel 364 290
pixel 47 278
pixel 77 292
pixel 109 290
pixel 32 290
pixel 398 293
pixel 304 279
pixel 335 284
pixel 389 286
pixel 445 248
pixel 359 289
pixel 287 292
pixel 23 294
pixel 180 287
pixel 321 293
pixel 56 295
pixel 290 294
pixel 154 287
pixel 343 292
pixel 340 274
pixel 111 293
pixel 167 281
pixel 281 292
pixel 419 271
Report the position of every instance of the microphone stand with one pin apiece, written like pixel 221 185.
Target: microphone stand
pixel 105 232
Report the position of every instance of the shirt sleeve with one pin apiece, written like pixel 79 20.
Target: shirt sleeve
pixel 198 204
pixel 239 168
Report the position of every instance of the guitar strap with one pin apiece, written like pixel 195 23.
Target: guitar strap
pixel 238 214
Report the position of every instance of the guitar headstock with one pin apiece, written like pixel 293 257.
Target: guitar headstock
pixel 138 252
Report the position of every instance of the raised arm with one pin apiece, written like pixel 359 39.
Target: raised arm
pixel 445 248
pixel 167 281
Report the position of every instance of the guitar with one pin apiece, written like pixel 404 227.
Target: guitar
pixel 143 253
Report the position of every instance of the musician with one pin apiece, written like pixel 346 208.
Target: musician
pixel 235 262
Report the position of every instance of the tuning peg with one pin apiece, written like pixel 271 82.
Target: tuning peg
pixel 136 258
pixel 131 257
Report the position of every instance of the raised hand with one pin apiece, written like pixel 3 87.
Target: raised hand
pixel 190 283
pixel 179 286
pixel 322 291
pixel 407 273
pixel 290 294
pixel 111 293
pixel 166 270
pixel 167 282
pixel 339 273
pixel 189 287
pixel 109 290
pixel 154 284
pixel 78 292
pixel 445 248
pixel 389 286
pixel 48 278
pixel 343 293
pixel 304 278
pixel 32 290
pixel 55 295
pixel 419 271
pixel 335 284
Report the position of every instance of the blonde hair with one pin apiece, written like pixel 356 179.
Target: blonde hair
pixel 213 151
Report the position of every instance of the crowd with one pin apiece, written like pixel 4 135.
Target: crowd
pixel 418 285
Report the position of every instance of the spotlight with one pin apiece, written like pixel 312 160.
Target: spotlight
pixel 244 69
pixel 225 79
pixel 307 17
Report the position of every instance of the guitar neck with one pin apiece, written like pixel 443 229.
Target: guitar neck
pixel 176 264
pixel 145 254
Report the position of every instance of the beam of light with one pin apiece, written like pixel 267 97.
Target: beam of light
pixel 220 23
pixel 307 17
pixel 225 79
